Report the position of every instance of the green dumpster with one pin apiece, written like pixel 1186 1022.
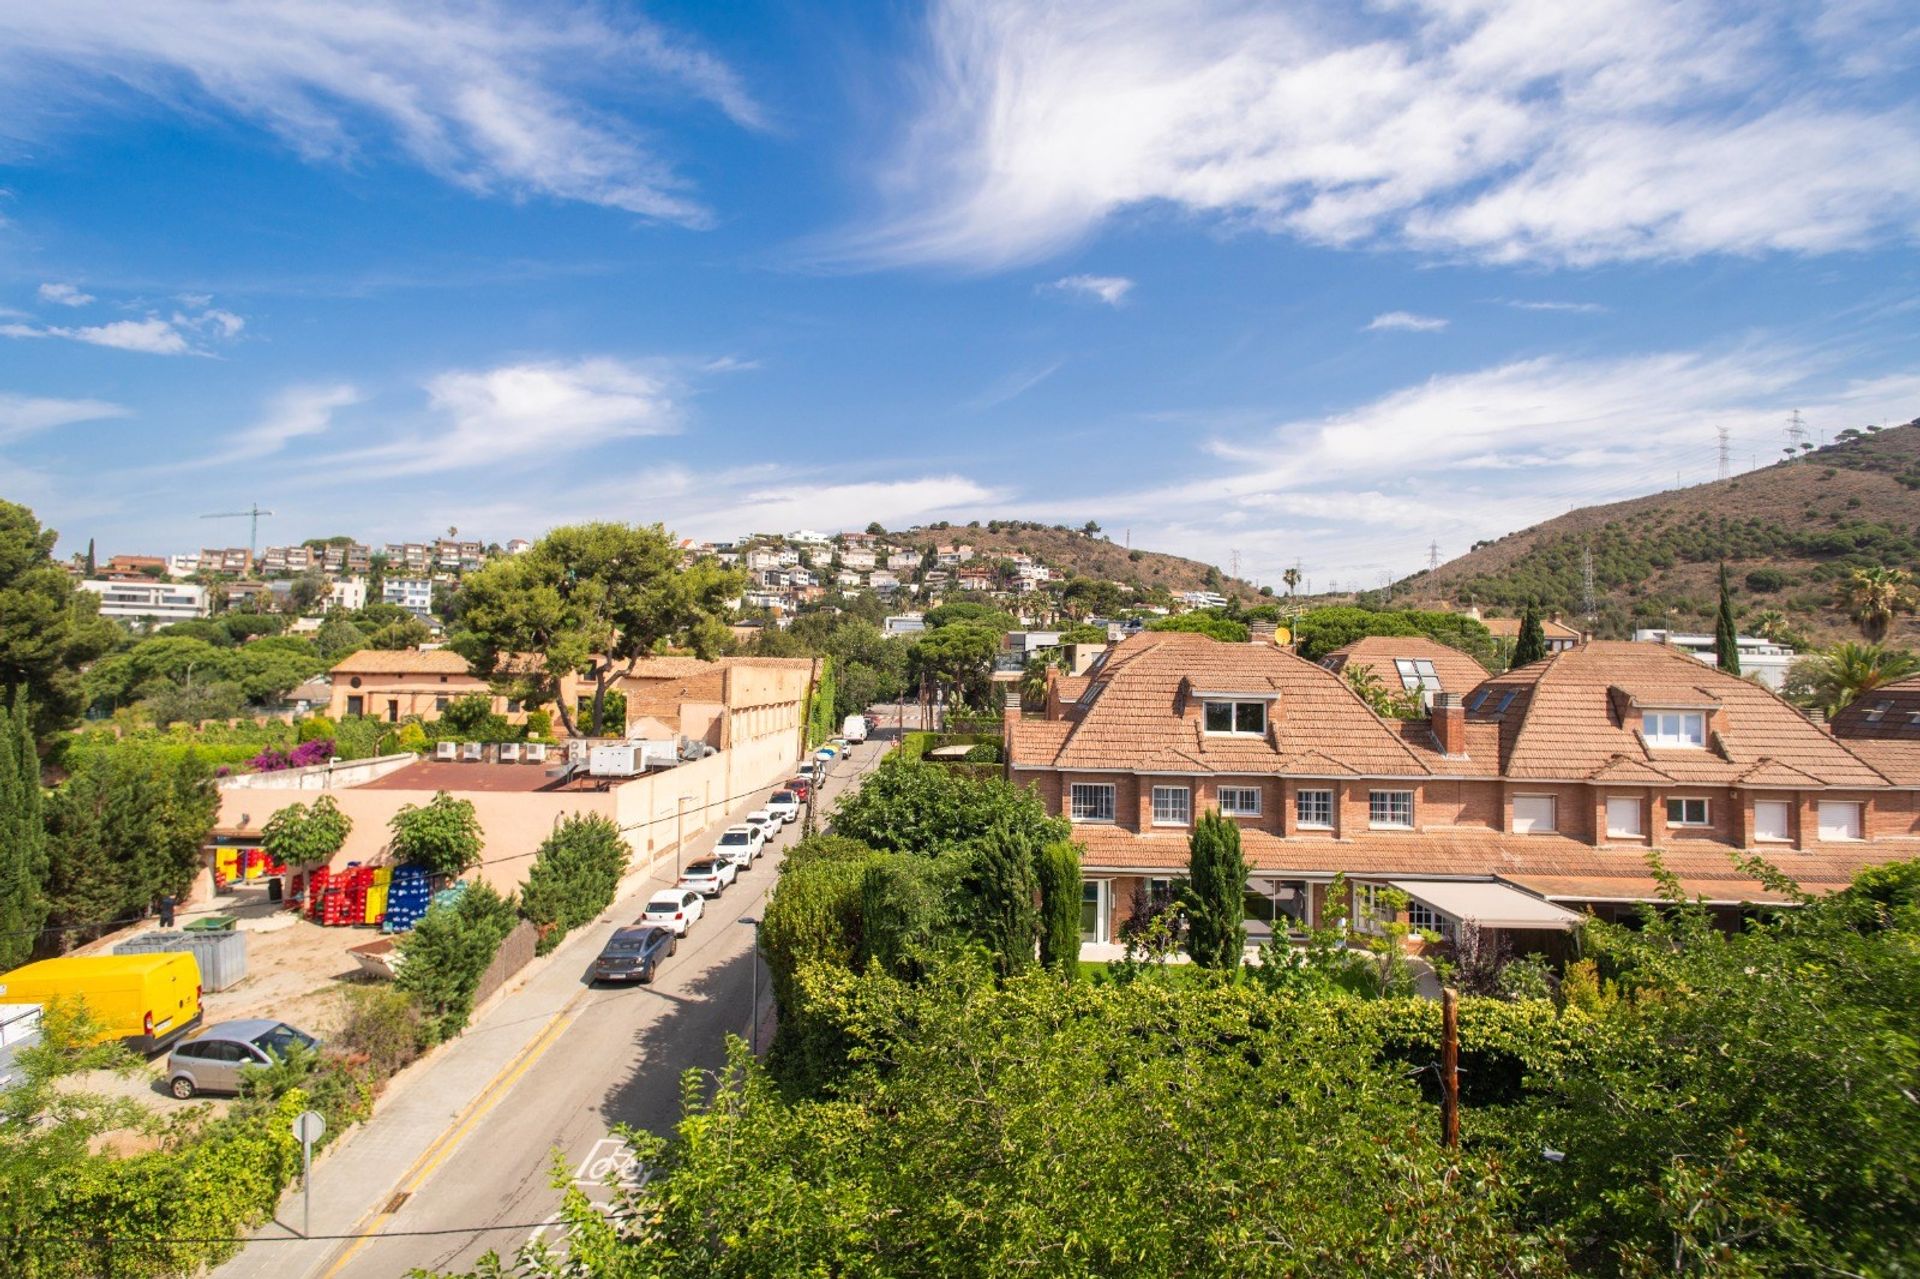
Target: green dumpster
pixel 211 924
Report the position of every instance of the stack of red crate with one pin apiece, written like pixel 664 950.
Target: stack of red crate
pixel 317 886
pixel 354 881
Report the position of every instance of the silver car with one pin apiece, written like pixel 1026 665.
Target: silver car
pixel 216 1059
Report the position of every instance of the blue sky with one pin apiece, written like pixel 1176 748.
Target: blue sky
pixel 1314 283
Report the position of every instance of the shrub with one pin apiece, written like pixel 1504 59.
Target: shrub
pixel 443 834
pixel 1059 874
pixel 313 728
pixel 448 951
pixel 383 1026
pixel 1765 581
pixel 574 876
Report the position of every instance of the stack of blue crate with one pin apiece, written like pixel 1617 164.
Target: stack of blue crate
pixel 409 895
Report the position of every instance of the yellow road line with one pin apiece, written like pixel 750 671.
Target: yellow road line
pixel 443 1146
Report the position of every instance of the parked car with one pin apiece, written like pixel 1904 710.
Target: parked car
pixel 710 876
pixel 784 804
pixel 634 953
pixel 824 755
pixel 217 1059
pixel 768 821
pixel 739 845
pixel 855 729
pixel 674 909
pixel 801 786
pixel 144 1001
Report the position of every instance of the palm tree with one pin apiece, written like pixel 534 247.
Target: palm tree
pixel 1768 624
pixel 1836 678
pixel 1874 595
pixel 1292 578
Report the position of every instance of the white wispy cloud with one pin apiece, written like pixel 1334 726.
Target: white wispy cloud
pixel 1110 289
pixel 23 415
pixel 1014 385
pixel 1504 130
pixel 294 415
pixel 834 506
pixel 64 294
pixel 153 335
pixel 1476 455
pixel 517 100
pixel 1572 308
pixel 1407 321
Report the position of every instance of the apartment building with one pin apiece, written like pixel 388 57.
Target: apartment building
pixel 903 561
pixel 410 559
pixel 233 561
pixel 415 594
pixel 289 559
pixel 1518 803
pixel 458 557
pixel 350 594
pixel 348 558
pixel 146 600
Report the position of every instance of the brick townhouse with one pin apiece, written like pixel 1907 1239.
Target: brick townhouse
pixel 1518 802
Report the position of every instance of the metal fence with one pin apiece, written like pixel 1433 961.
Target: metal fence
pixel 222 956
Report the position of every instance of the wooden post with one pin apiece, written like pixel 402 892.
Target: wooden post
pixel 1450 1065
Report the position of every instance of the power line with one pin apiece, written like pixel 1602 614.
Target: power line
pixel 119 1241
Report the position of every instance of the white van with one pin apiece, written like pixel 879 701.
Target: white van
pixel 855 730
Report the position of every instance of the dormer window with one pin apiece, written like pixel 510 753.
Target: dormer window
pixel 1239 718
pixel 1685 729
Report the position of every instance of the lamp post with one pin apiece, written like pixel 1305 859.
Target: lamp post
pixel 753 1006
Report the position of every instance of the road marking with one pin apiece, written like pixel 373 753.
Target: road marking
pixel 443 1146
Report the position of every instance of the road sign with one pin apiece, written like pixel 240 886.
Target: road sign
pixel 309 1126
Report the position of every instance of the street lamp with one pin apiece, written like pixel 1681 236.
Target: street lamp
pixel 753 1007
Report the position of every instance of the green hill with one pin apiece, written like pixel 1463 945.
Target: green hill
pixel 1077 553
pixel 1789 533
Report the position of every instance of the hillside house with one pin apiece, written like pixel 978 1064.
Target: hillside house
pixel 1761 658
pixel 1506 630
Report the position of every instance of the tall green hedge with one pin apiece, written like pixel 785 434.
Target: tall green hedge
pixel 574 876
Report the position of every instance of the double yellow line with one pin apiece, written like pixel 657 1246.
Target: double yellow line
pixel 443 1146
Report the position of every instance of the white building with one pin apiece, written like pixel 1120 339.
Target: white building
pixel 1761 658
pixel 415 594
pixel 156 602
pixel 1203 599
pixel 350 593
pixel 903 624
pixel 184 565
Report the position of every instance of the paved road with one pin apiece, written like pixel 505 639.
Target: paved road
pixel 615 1057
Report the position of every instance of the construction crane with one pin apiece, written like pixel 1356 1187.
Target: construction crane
pixel 252 515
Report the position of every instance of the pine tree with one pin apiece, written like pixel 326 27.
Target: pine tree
pixel 1059 874
pixel 1726 639
pixel 1216 897
pixel 1532 644
pixel 23 837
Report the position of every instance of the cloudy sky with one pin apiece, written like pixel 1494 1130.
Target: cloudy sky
pixel 1315 283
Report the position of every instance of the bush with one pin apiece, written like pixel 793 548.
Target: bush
pixel 574 877
pixel 448 951
pixel 984 753
pixel 383 1026
pixel 919 808
pixel 313 728
pixel 1765 581
pixel 443 834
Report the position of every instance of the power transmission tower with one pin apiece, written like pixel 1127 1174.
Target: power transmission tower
pixel 1796 430
pixel 1726 450
pixel 1433 556
pixel 1233 561
pixel 1587 604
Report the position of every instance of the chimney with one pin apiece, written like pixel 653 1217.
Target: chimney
pixel 1450 723
pixel 1263 632
pixel 1009 713
pixel 1819 718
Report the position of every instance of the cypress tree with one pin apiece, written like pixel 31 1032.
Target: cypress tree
pixel 1216 898
pixel 23 837
pixel 1532 644
pixel 1059 874
pixel 1726 639
pixel 92 569
pixel 1000 885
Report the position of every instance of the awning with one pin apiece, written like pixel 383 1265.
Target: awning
pixel 1488 904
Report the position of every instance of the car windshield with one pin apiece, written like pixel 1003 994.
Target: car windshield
pixel 736 837
pixel 663 905
pixel 700 868
pixel 275 1041
pixel 786 797
pixel 626 945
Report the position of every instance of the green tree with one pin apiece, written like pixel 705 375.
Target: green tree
pixel 1203 622
pixel 1000 885
pixel 1874 596
pixel 447 953
pixel 299 836
pixel 958 659
pixel 1216 895
pixel 49 628
pixel 1531 647
pixel 442 834
pixel 337 637
pixel 1835 679
pixel 1058 870
pixel 23 836
pixel 910 807
pixel 591 599
pixel 574 876
pixel 1726 636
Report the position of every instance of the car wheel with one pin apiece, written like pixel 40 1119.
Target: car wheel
pixel 673 945
pixel 181 1088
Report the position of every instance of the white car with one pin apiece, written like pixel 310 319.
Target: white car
pixel 768 821
pixel 676 908
pixel 785 805
pixel 739 845
pixel 709 876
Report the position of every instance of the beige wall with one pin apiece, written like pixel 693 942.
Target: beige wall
pixel 395 697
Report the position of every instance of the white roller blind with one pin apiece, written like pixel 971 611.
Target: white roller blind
pixel 1532 814
pixel 1623 815
pixel 1839 820
pixel 1771 819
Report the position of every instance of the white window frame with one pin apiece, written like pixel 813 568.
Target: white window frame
pixel 1858 822
pixel 1668 730
pixel 1387 801
pixel 1639 828
pixel 1552 823
pixel 1183 804
pixel 1236 808
pixel 1299 798
pixel 1091 791
pixel 1239 705
pixel 1706 810
pixel 1424 918
pixel 1785 835
pixel 1367 908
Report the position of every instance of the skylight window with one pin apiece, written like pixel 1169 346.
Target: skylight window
pixel 1417 673
pixel 1506 700
pixel 1878 711
pixel 1478 699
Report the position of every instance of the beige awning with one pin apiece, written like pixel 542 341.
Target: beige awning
pixel 1488 904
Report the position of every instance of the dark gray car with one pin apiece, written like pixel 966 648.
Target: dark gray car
pixel 216 1059
pixel 634 954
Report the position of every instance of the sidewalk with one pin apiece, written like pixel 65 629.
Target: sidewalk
pixel 431 1106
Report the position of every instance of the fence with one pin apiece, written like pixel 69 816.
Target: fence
pixel 222 956
pixel 515 953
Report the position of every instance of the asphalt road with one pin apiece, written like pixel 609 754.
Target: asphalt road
pixel 617 1059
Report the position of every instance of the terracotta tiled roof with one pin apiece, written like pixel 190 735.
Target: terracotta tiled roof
pixel 1509 628
pixel 1548 865
pixel 1889 714
pixel 1571 717
pixel 1132 715
pixel 1457 671
pixel 1035 742
pixel 1071 686
pixel 403 661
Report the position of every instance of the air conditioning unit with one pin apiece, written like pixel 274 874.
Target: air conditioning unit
pixel 614 761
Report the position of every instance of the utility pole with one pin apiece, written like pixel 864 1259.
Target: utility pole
pixel 1796 430
pixel 1233 561
pixel 1433 555
pixel 1726 451
pixel 1586 584
pixel 1450 1066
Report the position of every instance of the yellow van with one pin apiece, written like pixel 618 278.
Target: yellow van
pixel 147 1001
